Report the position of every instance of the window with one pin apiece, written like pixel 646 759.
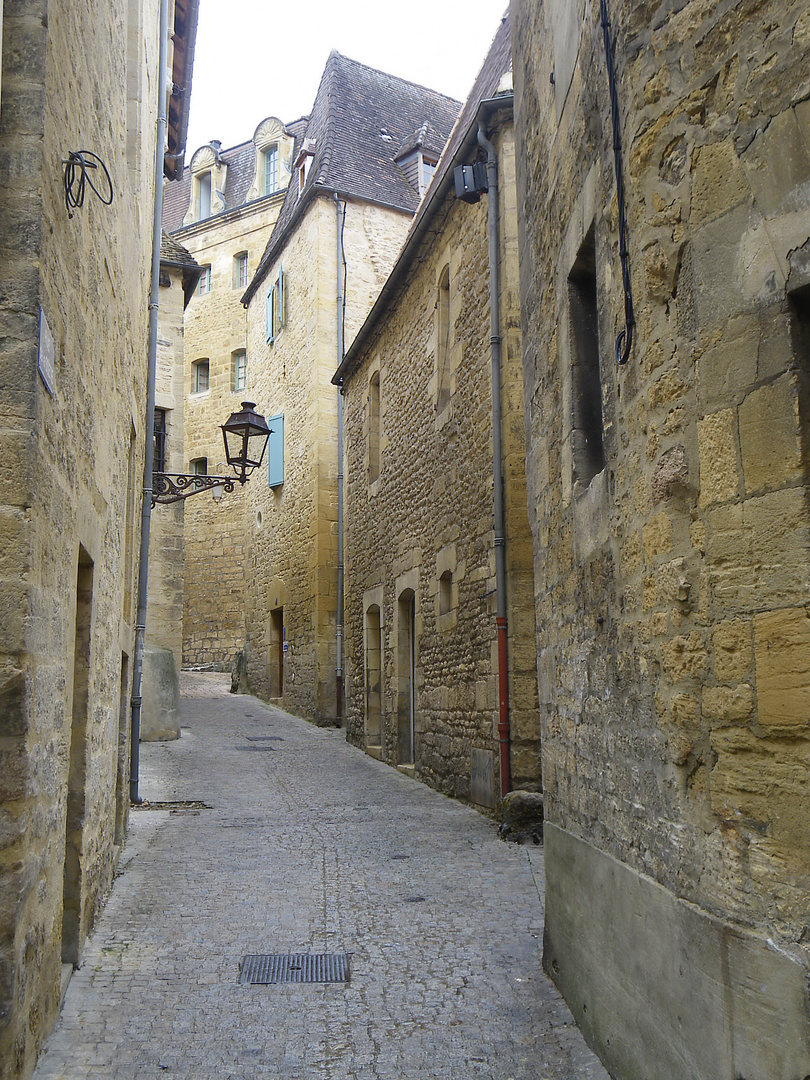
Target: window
pixel 275 451
pixel 428 169
pixel 239 369
pixel 446 593
pixel 270 316
pixel 199 377
pixel 199 466
pixel 587 433
pixel 240 270
pixel 274 308
pixel 271 170
pixel 159 458
pixel 205 281
pixel 374 428
pixel 443 341
pixel 205 195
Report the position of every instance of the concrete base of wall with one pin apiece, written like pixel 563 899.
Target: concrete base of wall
pixel 660 988
pixel 160 709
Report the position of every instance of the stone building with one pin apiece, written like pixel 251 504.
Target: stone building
pixel 420 525
pixel 668 502
pixel 370 143
pixel 179 277
pixel 223 211
pixel 73 309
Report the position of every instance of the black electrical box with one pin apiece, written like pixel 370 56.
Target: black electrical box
pixel 470 180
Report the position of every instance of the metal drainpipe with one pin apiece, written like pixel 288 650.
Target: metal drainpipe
pixel 146 515
pixel 341 220
pixel 497 467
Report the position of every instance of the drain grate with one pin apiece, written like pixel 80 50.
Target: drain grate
pixel 265 738
pixel 263 747
pixel 260 969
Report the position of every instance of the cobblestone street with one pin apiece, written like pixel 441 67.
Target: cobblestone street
pixel 310 846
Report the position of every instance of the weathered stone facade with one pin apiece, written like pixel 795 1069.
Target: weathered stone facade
pixel 73 308
pixel 178 276
pixel 215 331
pixel 292 527
pixel 420 610
pixel 347 184
pixel 672 572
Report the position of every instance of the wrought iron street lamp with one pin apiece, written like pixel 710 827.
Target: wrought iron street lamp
pixel 245 435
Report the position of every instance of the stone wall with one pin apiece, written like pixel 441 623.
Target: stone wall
pixel 72 462
pixel 671 584
pixel 215 328
pixel 164 626
pixel 292 528
pixel 419 401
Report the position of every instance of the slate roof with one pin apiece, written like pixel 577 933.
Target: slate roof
pixel 241 162
pixel 174 254
pixel 359 120
pixel 461 144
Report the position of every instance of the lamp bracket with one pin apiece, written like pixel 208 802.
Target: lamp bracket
pixel 172 487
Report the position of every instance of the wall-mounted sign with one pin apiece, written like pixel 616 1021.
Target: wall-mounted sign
pixel 45 354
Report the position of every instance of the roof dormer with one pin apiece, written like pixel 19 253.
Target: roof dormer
pixel 274 150
pixel 208 175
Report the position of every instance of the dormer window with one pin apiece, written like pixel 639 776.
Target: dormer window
pixel 418 157
pixel 271 169
pixel 428 169
pixel 273 161
pixel 209 172
pixel 304 161
pixel 205 195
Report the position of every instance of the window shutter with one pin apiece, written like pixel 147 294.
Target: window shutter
pixel 281 297
pixel 275 451
pixel 270 314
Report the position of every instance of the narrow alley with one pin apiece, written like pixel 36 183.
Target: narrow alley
pixel 305 845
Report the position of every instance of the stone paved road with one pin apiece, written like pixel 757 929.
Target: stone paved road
pixel 310 846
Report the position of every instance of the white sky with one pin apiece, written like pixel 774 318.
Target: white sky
pixel 258 58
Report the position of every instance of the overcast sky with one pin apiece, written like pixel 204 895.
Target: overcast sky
pixel 258 58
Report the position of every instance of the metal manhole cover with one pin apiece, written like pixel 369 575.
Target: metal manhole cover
pixel 261 969
pixel 263 747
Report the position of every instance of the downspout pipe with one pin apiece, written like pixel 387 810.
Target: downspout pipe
pixel 501 621
pixel 341 301
pixel 148 460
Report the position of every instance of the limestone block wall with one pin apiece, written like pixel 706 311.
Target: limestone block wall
pixel 292 534
pixel 72 455
pixel 419 514
pixel 164 626
pixel 215 329
pixel 672 583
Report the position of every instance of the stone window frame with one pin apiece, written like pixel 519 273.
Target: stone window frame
pixel 446 607
pixel 407 589
pixel 589 502
pixel 240 270
pixel 204 284
pixel 206 164
pixel 373 440
pixel 446 355
pixel 197 368
pixel 270 134
pixel 198 466
pixel 238 369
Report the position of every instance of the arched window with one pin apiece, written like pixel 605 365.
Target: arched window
pixel 374 428
pixel 443 341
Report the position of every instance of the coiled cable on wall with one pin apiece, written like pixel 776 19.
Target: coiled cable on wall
pixel 624 341
pixel 76 178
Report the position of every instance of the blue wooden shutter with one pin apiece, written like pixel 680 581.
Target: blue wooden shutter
pixel 270 315
pixel 275 451
pixel 280 297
